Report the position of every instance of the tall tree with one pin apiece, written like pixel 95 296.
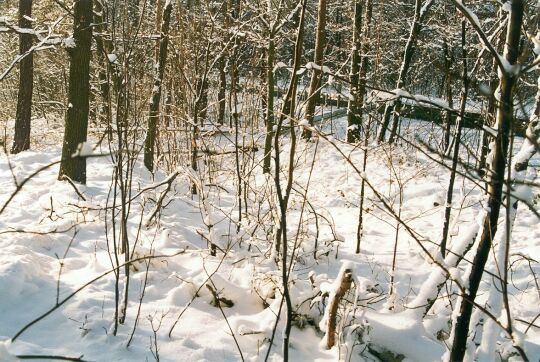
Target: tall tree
pixel 271 29
pixel 496 175
pixel 489 115
pixel 316 76
pixel 270 93
pixel 222 65
pixel 78 92
pixel 354 118
pixel 287 111
pixel 155 100
pixel 364 59
pixel 21 139
pixel 447 84
pixel 106 70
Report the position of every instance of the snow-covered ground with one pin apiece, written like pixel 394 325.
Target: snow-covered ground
pixel 52 243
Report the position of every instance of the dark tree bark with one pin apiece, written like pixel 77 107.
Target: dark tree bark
pixel 269 103
pixel 201 106
pixel 496 181
pixel 354 118
pixel 360 227
pixel 316 77
pixel 106 70
pixel 153 117
pixel 78 93
pixel 21 139
pixel 222 89
pixel 448 116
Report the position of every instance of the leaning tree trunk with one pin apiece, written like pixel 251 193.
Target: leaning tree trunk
pixel 496 177
pixel 153 117
pixel 316 77
pixel 393 109
pixel 518 177
pixel 78 93
pixel 354 118
pixel 21 139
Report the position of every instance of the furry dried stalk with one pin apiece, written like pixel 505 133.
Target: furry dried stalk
pixel 345 281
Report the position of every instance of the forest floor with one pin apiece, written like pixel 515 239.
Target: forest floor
pixel 52 242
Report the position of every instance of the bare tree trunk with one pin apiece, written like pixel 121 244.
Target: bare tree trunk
pixel 393 109
pixel 457 139
pixel 222 89
pixel 199 110
pixel 498 293
pixel 496 177
pixel 364 60
pixel 159 21
pixel 287 110
pixel 354 118
pixel 201 105
pixel 21 139
pixel 448 117
pixel 105 72
pixel 316 76
pixel 78 93
pixel 155 100
pixel 360 227
pixel 269 103
pixel 517 176
pixel 489 120
pixel 222 63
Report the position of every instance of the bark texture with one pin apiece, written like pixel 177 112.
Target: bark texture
pixel 21 139
pixel 316 76
pixel 153 116
pixel 78 92
pixel 354 118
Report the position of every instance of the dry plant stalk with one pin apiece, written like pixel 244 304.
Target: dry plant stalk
pixel 344 286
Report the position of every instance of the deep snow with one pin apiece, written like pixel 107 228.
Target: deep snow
pixel 47 218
